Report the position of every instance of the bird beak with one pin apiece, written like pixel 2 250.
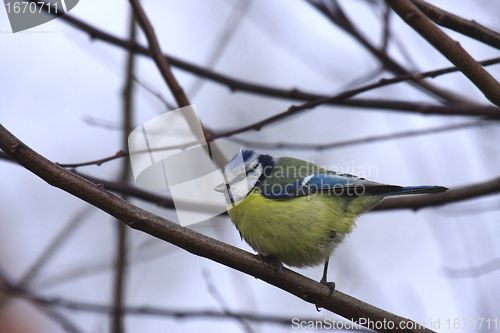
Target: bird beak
pixel 221 188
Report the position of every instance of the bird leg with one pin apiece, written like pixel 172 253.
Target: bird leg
pixel 330 285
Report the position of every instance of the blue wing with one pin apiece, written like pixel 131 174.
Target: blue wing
pixel 344 185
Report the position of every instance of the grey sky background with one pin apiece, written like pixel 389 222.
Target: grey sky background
pixel 56 83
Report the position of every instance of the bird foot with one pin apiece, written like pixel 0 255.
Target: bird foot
pixel 270 259
pixel 331 286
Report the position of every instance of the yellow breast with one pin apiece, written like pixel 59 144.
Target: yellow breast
pixel 300 231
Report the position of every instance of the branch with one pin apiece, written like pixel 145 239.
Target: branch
pixel 468 28
pixel 98 162
pixel 157 55
pixel 295 94
pixel 333 11
pixel 306 106
pixel 414 202
pixel 449 48
pixel 148 311
pixel 121 250
pixel 191 241
pixel 9 288
pixel 352 142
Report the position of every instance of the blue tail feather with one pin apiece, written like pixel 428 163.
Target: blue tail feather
pixel 414 190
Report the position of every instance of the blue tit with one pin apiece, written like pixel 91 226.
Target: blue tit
pixel 296 213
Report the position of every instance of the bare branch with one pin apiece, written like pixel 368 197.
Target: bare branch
pixel 295 94
pixel 121 248
pixel 156 54
pixel 468 28
pixel 449 48
pixel 370 139
pixel 474 271
pixel 333 11
pixel 8 289
pixel 148 311
pixel 191 241
pixel 118 154
pixel 412 202
pixel 306 106
pixel 212 289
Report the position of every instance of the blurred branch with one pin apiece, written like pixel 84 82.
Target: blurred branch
pixel 370 139
pixel 234 84
pixel 164 68
pixel 413 202
pixel 386 34
pixel 196 243
pixel 153 92
pixel 425 108
pixel 449 48
pixel 144 252
pixel 55 245
pixel 333 11
pixel 121 254
pixel 212 289
pixel 102 123
pixel 53 302
pixel 150 311
pixel 8 287
pixel 468 28
pixel 230 25
pixel 474 271
pixel 308 105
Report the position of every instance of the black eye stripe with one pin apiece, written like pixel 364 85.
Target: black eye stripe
pixel 253 168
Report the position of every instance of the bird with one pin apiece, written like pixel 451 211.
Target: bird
pixel 296 213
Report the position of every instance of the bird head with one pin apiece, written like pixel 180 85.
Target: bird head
pixel 243 172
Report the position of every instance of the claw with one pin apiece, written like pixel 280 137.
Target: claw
pixel 330 285
pixel 271 259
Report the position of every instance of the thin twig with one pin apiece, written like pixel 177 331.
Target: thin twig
pixel 474 271
pixel 153 92
pixel 100 161
pixel 212 289
pixel 370 139
pixel 231 25
pixel 386 35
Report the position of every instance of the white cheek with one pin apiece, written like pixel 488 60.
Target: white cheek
pixel 239 190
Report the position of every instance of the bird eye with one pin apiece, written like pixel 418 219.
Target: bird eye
pixel 252 168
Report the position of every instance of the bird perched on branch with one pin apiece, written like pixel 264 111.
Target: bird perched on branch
pixel 296 213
